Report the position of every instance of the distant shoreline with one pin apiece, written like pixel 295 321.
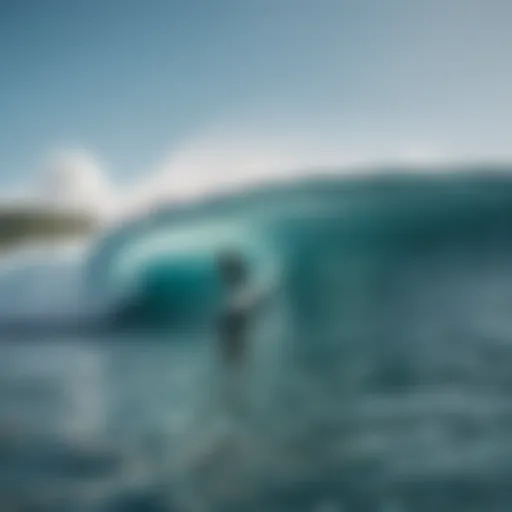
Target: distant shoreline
pixel 21 225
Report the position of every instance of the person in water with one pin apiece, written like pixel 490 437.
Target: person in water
pixel 237 316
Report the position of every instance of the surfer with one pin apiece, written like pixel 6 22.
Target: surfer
pixel 236 318
pixel 235 321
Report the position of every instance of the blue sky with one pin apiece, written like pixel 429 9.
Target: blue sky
pixel 133 80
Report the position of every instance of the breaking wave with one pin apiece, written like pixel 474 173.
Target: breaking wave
pixel 379 379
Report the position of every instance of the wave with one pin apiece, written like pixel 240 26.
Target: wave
pixel 299 230
pixel 381 373
pixel 159 270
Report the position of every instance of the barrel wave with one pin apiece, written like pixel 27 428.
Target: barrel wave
pixel 380 374
pixel 319 239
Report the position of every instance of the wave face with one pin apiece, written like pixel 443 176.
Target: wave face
pixel 380 374
pixel 300 234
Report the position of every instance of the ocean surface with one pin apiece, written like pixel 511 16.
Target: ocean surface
pixel 380 375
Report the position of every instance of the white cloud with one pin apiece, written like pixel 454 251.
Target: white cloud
pixel 74 179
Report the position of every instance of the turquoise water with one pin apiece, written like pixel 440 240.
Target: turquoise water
pixel 379 378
